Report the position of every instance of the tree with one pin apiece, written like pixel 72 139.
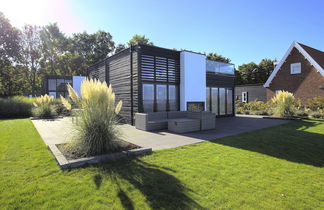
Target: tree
pixel 246 70
pixel 139 39
pixel 54 43
pixel 31 56
pixel 9 53
pixel 252 73
pixel 91 47
pixel 69 64
pixel 217 57
pixel 266 66
pixel 119 48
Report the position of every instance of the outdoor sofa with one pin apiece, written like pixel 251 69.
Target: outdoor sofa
pixel 176 121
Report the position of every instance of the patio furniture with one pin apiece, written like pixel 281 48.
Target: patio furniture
pixel 207 119
pixel 151 121
pixel 159 120
pixel 183 125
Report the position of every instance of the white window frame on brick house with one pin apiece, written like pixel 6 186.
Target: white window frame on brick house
pixel 295 68
pixel 244 98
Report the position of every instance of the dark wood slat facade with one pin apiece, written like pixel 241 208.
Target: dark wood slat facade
pixel 127 70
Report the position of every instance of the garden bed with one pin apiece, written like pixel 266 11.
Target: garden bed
pixel 68 160
pixel 72 154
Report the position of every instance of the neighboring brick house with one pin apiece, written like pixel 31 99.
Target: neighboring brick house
pixel 301 72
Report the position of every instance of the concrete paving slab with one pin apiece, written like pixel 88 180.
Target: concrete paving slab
pixel 61 130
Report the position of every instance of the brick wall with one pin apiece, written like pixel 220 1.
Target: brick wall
pixel 308 84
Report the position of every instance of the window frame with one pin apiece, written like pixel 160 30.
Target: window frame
pixel 293 66
pixel 155 105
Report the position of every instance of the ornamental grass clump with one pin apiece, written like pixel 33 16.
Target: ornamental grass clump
pixel 284 104
pixel 44 107
pixel 97 118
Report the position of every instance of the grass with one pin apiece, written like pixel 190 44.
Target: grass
pixel 274 168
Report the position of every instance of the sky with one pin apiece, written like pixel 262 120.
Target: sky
pixel 242 30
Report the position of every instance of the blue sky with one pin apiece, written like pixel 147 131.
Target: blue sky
pixel 244 31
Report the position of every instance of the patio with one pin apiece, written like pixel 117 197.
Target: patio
pixel 61 130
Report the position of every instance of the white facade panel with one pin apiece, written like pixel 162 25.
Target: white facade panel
pixel 77 80
pixel 192 78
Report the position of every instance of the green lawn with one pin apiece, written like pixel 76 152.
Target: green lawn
pixel 274 168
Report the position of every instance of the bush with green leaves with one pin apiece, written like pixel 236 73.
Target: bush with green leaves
pixel 44 107
pixel 284 104
pixel 97 118
pixel 316 103
pixel 17 106
pixel 253 107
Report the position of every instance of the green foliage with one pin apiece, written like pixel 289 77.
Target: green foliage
pixel 44 107
pixel 27 55
pixel 284 104
pixel 9 53
pixel 17 106
pixel 139 39
pixel 252 73
pixel 253 107
pixel 98 132
pixel 217 57
pixel 317 114
pixel 316 103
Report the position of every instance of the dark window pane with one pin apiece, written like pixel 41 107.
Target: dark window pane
pixel 61 86
pixel 222 101
pixel 229 101
pixel 148 97
pixel 207 99
pixel 214 99
pixel 52 84
pixel 161 97
pixel 173 97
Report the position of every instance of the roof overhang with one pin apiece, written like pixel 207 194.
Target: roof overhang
pixel 303 52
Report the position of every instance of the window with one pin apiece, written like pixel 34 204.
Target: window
pixel 52 84
pixel 148 97
pixel 295 68
pixel 222 101
pixel 173 98
pixel 244 97
pixel 229 101
pixel 56 87
pixel 161 97
pixel 214 100
pixel 207 99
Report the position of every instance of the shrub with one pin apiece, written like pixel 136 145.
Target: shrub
pixel 317 114
pixel 60 108
pixel 44 107
pixel 17 106
pixel 97 124
pixel 284 104
pixel 253 107
pixel 301 113
pixel 316 103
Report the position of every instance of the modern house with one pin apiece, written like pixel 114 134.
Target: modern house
pixel 250 92
pixel 153 79
pixel 55 85
pixel 300 71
